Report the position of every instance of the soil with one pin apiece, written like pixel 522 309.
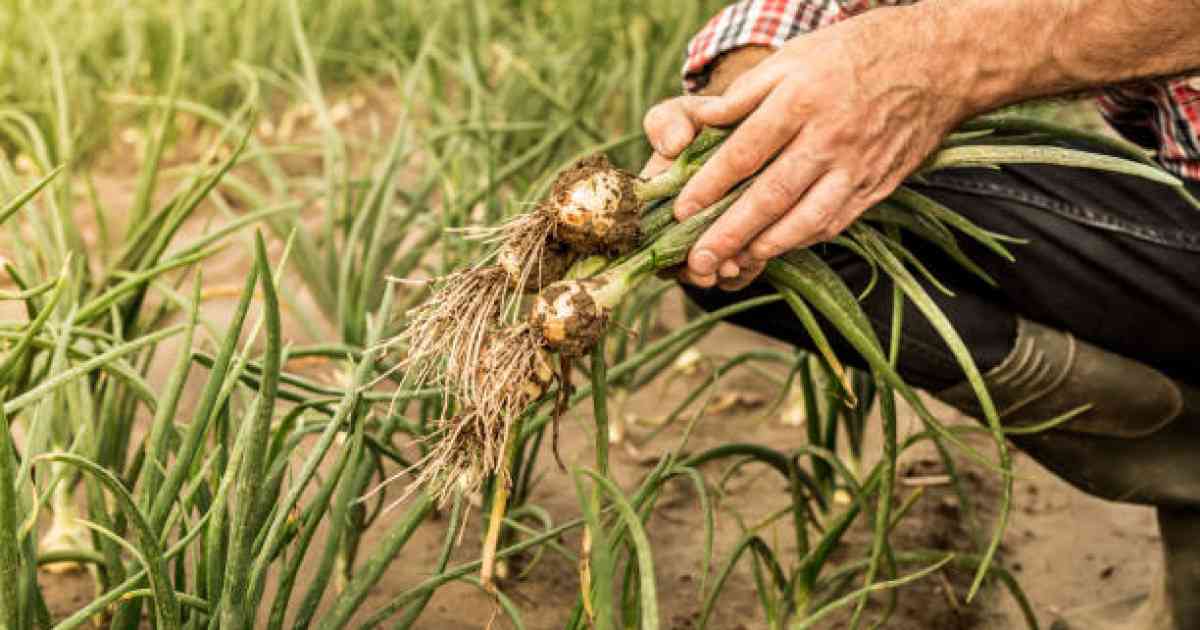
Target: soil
pixel 1070 552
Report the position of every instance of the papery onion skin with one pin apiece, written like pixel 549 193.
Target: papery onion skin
pixel 595 208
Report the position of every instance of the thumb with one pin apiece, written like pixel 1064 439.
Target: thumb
pixel 655 165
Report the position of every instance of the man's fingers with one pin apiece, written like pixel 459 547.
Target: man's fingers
pixel 771 195
pixel 748 274
pixel 702 281
pixel 751 145
pixel 820 216
pixel 655 165
pixel 742 96
pixel 672 124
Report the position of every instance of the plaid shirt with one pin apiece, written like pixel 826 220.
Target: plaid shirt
pixel 1162 115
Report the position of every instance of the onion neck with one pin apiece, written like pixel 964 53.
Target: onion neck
pixel 666 250
pixel 670 182
pixel 670 247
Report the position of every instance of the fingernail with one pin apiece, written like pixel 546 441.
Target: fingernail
pixel 729 269
pixel 704 262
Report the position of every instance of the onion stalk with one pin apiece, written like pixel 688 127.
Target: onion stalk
pixel 688 163
pixel 593 209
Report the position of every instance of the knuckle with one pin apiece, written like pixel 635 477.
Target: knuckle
pixel 840 226
pixel 692 106
pixel 806 156
pixel 844 135
pixel 768 247
pixel 870 186
pixel 828 225
pixel 782 190
pixel 798 104
pixel 725 242
pixel 658 117
pixel 822 230
pixel 820 151
pixel 713 109
pixel 884 186
pixel 740 161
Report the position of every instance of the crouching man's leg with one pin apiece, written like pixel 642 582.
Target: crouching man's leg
pixel 1139 442
pixel 1102 308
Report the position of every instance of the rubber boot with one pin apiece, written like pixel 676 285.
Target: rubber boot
pixel 1138 442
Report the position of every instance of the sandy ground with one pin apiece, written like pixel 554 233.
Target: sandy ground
pixel 1070 552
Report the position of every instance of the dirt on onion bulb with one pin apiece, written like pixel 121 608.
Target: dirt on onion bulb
pixel 595 209
pixel 571 315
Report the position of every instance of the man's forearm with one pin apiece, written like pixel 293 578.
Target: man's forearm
pixel 997 52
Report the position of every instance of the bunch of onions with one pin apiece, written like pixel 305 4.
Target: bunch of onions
pixel 593 209
pixel 571 315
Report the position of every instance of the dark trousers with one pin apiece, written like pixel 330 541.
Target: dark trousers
pixel 1113 259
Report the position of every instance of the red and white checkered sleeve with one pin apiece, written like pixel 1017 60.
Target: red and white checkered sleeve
pixel 1163 115
pixel 1179 99
pixel 764 23
pixel 753 22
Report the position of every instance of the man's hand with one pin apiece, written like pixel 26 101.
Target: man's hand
pixel 851 110
pixel 846 112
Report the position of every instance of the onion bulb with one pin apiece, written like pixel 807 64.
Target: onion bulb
pixel 571 315
pixel 595 209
